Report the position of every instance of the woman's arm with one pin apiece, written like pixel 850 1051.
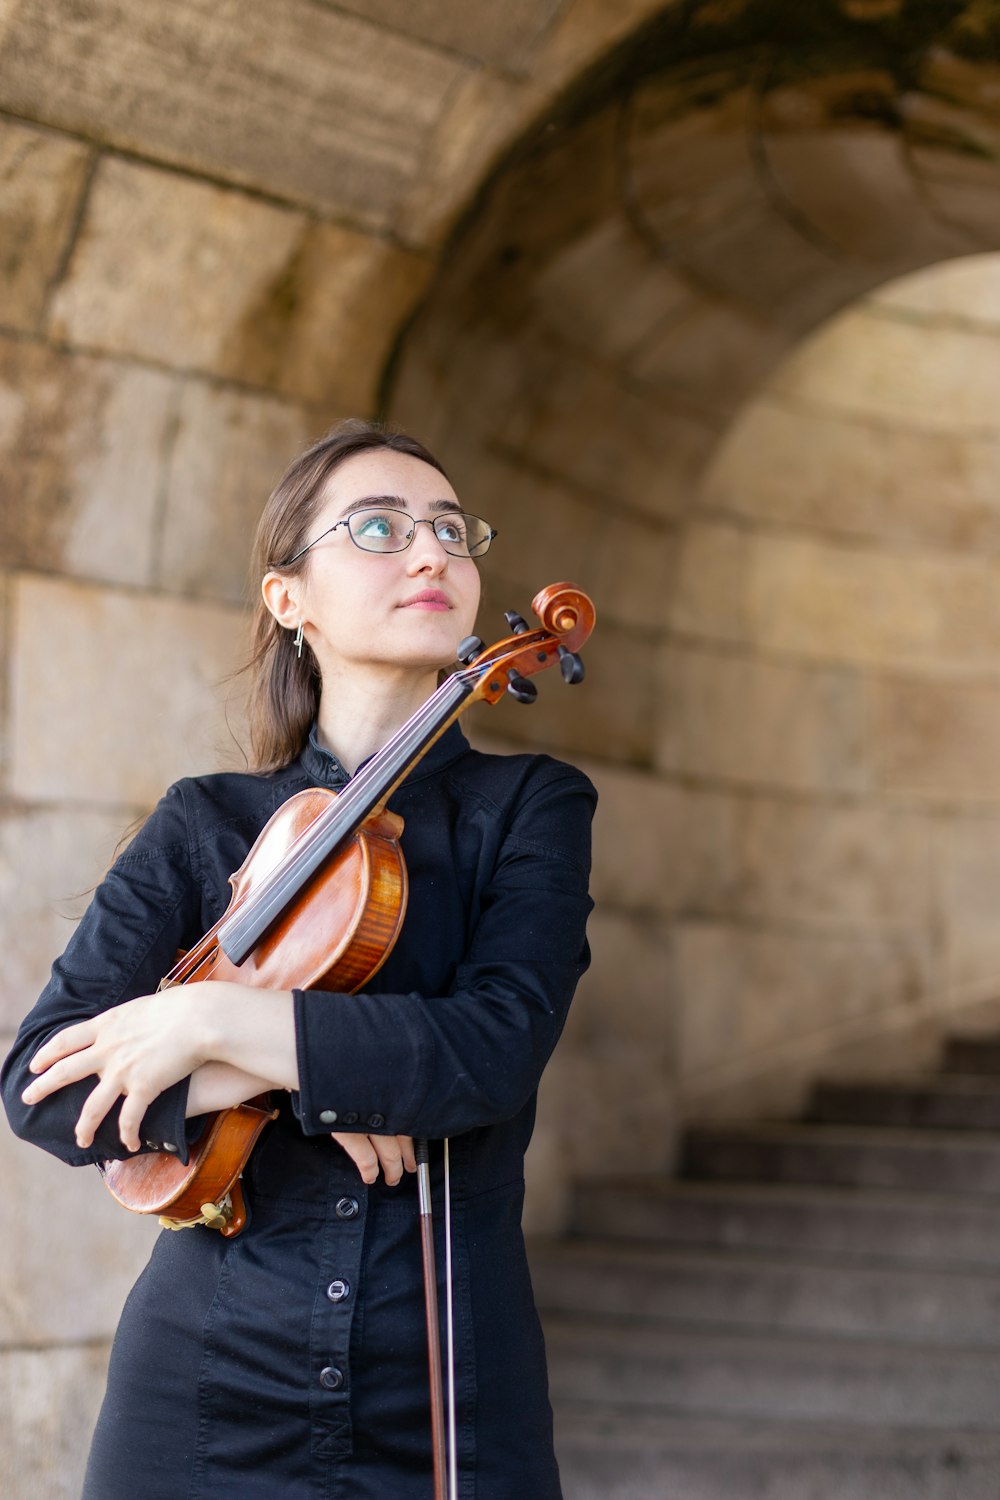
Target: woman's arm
pixel 433 1066
pixel 140 1048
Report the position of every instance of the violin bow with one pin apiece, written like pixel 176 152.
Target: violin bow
pixel 570 614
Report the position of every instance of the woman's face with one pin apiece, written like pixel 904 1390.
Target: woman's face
pixel 409 608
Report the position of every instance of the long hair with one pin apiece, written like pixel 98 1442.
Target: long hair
pixel 284 687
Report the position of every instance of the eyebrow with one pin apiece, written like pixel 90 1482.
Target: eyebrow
pixel 397 502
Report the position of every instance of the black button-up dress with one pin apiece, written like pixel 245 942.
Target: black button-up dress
pixel 291 1360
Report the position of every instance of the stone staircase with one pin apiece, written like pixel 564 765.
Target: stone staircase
pixel 810 1311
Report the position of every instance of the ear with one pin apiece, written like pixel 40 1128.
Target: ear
pixel 276 591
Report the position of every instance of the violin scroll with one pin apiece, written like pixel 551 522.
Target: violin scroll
pixel 567 617
pixel 567 612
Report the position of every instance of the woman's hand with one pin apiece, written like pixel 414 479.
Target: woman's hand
pixel 136 1049
pixel 393 1153
pixel 141 1047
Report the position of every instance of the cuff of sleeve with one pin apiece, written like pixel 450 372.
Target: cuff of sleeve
pixel 165 1126
pixel 385 1076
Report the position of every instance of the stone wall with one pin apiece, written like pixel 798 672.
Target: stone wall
pixel 854 511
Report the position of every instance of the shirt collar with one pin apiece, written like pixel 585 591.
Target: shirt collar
pixel 322 766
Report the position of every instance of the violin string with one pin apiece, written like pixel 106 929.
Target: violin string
pixel 331 827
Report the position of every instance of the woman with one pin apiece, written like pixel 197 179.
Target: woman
pixel 290 1361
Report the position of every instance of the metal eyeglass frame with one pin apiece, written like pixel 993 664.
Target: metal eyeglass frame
pixel 440 520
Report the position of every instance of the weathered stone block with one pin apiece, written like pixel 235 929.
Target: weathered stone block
pixel 605 290
pixel 81 458
pixel 42 177
pixel 762 263
pixel 685 132
pixel 713 357
pixel 967 863
pixel 504 37
pixel 831 866
pixel 861 605
pixel 638 452
pixel 762 723
pixel 940 378
pixel 841 474
pixel 623 999
pixel 617 1055
pixel 835 602
pixel 50 1405
pixel 545 527
pixel 230 450
pixel 328 323
pixel 743 991
pixel 222 282
pixel 146 727
pixel 936 739
pixel 642 850
pixel 966 289
pixel 202 262
pixel 304 102
pixel 49 861
pixel 854 186
pixel 71 1253
pixel 713 583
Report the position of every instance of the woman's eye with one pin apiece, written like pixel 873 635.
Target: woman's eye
pixel 450 531
pixel 376 526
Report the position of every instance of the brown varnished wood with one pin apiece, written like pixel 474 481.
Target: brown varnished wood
pixel 337 939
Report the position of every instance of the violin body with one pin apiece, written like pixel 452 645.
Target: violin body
pixel 337 937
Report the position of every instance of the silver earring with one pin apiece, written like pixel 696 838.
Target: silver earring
pixel 298 641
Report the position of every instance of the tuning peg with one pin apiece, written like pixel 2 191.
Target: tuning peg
pixel 520 688
pixel 517 623
pixel 571 666
pixel 468 648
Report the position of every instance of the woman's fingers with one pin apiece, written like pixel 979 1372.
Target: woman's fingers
pixel 96 1105
pixel 71 1039
pixel 68 1069
pixel 392 1153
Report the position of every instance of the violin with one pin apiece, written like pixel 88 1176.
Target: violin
pixel 320 899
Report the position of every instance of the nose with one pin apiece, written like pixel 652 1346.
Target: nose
pixel 426 552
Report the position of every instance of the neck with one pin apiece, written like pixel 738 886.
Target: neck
pixel 359 712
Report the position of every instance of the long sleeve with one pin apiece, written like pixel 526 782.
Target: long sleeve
pixel 438 1065
pixel 142 912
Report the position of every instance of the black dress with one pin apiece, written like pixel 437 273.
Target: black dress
pixel 291 1360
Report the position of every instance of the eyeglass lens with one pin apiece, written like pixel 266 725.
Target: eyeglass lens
pixel 392 531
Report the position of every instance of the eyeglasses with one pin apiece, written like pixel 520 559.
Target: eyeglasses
pixel 381 530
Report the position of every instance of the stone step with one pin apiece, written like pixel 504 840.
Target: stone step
pixel 958 1101
pixel 656 1368
pixel 608 1455
pixel 846 1156
pixel 766 1293
pixel 911 1228
pixel 974 1053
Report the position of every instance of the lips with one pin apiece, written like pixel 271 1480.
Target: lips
pixel 430 598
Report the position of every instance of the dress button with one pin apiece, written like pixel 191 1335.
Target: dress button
pixel 338 1290
pixel 351 1117
pixel 331 1379
pixel 376 1121
pixel 347 1208
pixel 328 1117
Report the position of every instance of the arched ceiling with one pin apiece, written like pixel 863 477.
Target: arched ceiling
pixel 727 178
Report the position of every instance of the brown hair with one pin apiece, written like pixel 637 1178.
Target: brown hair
pixel 285 688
